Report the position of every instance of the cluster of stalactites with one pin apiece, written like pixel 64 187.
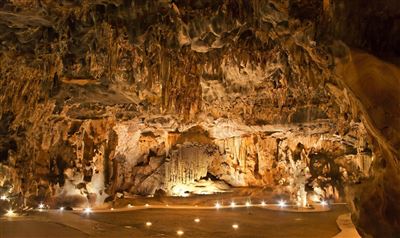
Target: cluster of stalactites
pixel 238 148
pixel 186 165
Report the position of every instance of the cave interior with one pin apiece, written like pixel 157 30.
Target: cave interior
pixel 108 102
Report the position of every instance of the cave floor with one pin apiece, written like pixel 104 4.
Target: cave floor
pixel 252 222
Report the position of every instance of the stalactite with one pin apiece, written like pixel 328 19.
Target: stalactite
pixel 186 165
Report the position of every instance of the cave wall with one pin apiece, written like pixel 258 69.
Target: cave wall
pixel 104 97
pixel 371 85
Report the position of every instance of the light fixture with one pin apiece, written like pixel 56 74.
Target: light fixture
pixel 324 203
pixel 197 220
pixel 263 203
pixel 235 226
pixel 233 204
pixel 179 232
pixel 129 205
pixel 112 209
pixel 148 223
pixel 248 204
pixel 87 210
pixel 217 205
pixel 282 203
pixel 41 206
pixel 3 197
pixel 10 213
pixel 61 208
pixel 146 205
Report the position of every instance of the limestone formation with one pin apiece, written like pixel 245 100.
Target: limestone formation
pixel 100 98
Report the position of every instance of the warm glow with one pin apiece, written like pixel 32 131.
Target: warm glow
pixel 180 190
pixel 315 198
pixel 130 206
pixel 87 210
pixel 202 187
pixel 10 213
pixel 282 203
pixel 217 205
pixel 248 204
pixel 148 223
pixel 179 232
pixel 235 226
pixel 263 203
pixel 197 220
pixel 41 206
pixel 146 205
pixel 112 209
pixel 61 208
pixel 233 204
pixel 3 197
pixel 324 203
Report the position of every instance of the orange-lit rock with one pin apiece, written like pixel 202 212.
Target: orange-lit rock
pixel 139 97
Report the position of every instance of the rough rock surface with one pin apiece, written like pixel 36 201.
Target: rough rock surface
pixel 104 97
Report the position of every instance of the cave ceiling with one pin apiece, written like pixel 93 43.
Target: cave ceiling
pixel 103 97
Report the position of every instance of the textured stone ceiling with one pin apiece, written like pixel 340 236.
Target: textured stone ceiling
pixel 105 97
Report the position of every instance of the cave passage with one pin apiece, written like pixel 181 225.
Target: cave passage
pixel 201 118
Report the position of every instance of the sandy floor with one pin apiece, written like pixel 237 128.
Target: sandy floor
pixel 252 222
pixel 23 228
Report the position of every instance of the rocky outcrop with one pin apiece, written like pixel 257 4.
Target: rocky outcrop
pixel 372 88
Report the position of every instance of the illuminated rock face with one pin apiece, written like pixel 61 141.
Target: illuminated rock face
pixel 119 96
pixel 364 76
